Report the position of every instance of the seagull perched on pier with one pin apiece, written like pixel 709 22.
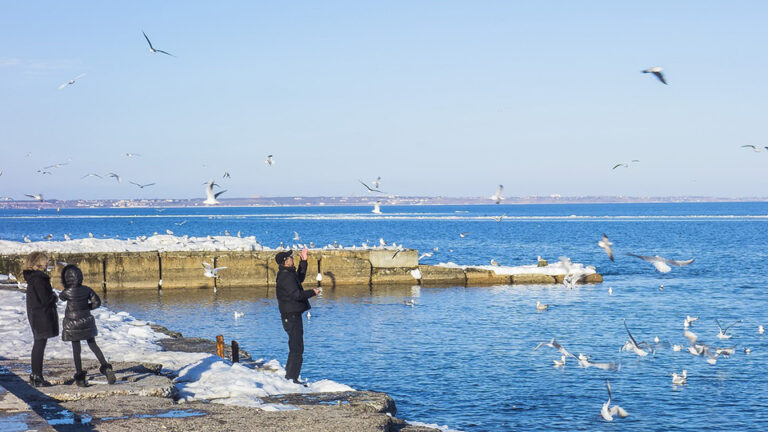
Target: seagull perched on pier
pixel 210 197
pixel 608 412
pixel 723 334
pixel 210 271
pixel 152 49
pixel 657 72
pixel 606 244
pixel 70 82
pixel 498 197
pixel 662 264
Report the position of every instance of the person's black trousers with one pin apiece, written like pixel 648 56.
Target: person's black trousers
pixel 293 325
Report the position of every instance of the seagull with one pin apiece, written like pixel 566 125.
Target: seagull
pixel 553 344
pixel 426 255
pixel 680 379
pixel 376 208
pixel 370 189
pixel 625 164
pixel 226 175
pixel 376 182
pixel 633 345
pixel 72 81
pixel 117 177
pixel 269 161
pixel 610 291
pixel 90 175
pixel 210 196
pixel 608 412
pixel 541 306
pixel 210 271
pixel 497 197
pixel 181 223
pixel 498 218
pixel 689 320
pixel 140 185
pixel 584 362
pixel 760 329
pixel 169 232
pixel 416 273
pixel 755 148
pixel 44 172
pixel 560 363
pixel 691 336
pixel 747 350
pixel 130 155
pixel 238 314
pixel 38 197
pixel 319 277
pixel 677 347
pixel 723 331
pixel 606 244
pixel 409 302
pixel 662 264
pixel 656 71
pixel 153 50
pixel 463 234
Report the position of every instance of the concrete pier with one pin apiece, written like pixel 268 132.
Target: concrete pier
pixel 184 270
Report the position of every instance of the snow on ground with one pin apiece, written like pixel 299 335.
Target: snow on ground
pixel 200 376
pixel 554 269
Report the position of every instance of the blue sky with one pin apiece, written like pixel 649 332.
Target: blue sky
pixel 436 97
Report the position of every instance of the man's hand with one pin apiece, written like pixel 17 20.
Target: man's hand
pixel 304 254
pixel 318 291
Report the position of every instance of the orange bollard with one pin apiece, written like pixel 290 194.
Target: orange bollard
pixel 220 346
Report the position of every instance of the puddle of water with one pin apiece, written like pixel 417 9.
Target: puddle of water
pixel 14 423
pixel 167 414
pixel 67 417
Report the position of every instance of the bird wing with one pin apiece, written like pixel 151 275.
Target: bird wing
pixel 660 76
pixel 726 329
pixel 630 334
pixel 31 196
pixel 78 77
pixel 618 165
pixel 63 85
pixel 148 41
pixel 678 263
pixel 691 336
pixel 207 267
pixel 166 53
pixel 134 183
pixel 644 257
pixel 219 193
pixel 617 410
pixel 148 184
pixel 749 145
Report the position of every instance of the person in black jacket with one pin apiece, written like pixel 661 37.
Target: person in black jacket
pixel 79 324
pixel 41 312
pixel 293 301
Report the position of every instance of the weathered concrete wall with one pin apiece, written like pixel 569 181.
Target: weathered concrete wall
pixel 185 269
pixel 144 270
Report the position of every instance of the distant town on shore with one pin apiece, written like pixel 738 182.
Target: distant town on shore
pixel 388 200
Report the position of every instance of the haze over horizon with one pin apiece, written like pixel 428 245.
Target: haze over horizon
pixel 438 98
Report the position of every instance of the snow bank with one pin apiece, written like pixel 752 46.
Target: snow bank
pixel 200 376
pixel 554 269
pixel 157 242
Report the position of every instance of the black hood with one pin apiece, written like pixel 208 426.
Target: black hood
pixel 71 276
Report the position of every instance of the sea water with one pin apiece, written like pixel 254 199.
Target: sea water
pixel 463 357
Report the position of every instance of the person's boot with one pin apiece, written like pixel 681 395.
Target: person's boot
pixel 36 380
pixel 106 369
pixel 80 379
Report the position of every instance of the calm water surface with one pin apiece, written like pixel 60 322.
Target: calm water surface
pixel 464 357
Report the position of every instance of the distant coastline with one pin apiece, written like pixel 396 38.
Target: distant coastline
pixel 389 200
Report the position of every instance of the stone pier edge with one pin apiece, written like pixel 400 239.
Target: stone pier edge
pixel 183 269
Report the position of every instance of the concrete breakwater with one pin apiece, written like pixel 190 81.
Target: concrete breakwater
pixel 183 269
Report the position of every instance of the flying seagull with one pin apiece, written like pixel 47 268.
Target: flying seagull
pixel 130 155
pixel 662 264
pixel 754 147
pixel 553 344
pixel 269 161
pixel 72 81
pixel 497 197
pixel 625 164
pixel 376 182
pixel 656 71
pixel 152 49
pixel 210 196
pixel 723 334
pixel 633 345
pixel 117 177
pixel 606 244
pixel 226 175
pixel 370 189
pixel 38 197
pixel 608 412
pixel 141 186
pixel 376 208
pixel 210 271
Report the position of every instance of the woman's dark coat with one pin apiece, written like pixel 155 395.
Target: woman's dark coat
pixel 78 323
pixel 41 305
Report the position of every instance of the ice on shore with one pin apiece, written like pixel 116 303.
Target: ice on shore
pixel 200 376
pixel 553 269
pixel 159 242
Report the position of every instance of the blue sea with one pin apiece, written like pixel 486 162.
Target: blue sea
pixel 463 357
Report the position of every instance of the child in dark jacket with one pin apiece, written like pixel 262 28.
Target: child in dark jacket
pixel 78 323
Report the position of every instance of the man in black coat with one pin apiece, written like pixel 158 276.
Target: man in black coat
pixel 293 301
